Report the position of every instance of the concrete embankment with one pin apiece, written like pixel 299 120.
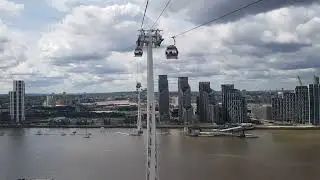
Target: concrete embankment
pixel 287 127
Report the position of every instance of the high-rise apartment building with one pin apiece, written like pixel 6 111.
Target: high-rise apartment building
pixel 314 103
pixel 163 88
pixel 289 107
pixel 292 106
pixel 302 104
pixel 236 106
pixel 225 105
pixel 17 113
pixel 184 101
pixel 204 90
pixel 277 108
pixel 206 101
pixel 50 101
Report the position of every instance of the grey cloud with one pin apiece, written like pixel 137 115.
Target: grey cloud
pixel 303 63
pixel 285 47
pixel 11 60
pixel 76 57
pixel 22 74
pixel 84 84
pixel 90 83
pixel 307 58
pixel 204 10
pixel 264 49
pixel 102 79
pixel 12 49
pixel 248 37
pixel 196 75
pixel 299 65
pixel 188 68
pixel 44 81
pixel 3 42
pixel 258 75
pixel 98 70
pixel 247 49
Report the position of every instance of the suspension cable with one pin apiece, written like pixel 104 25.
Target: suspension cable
pixel 144 14
pixel 165 7
pixel 221 17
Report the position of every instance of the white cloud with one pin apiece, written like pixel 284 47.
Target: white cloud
pixel 11 48
pixel 67 5
pixel 61 5
pixel 90 44
pixel 10 8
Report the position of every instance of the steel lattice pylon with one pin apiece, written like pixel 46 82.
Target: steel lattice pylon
pixel 139 122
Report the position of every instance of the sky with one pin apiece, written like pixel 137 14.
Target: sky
pixel 79 46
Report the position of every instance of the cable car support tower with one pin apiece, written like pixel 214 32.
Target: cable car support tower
pixel 150 38
pixel 139 122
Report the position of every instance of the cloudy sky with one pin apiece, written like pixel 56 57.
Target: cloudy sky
pixel 87 45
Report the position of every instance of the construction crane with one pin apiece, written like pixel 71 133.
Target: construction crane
pixel 299 80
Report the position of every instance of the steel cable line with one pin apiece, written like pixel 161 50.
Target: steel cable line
pixel 221 17
pixel 144 14
pixel 165 7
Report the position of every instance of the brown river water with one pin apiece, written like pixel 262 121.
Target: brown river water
pixel 113 155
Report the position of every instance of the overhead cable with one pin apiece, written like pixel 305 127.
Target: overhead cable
pixel 221 17
pixel 144 14
pixel 165 7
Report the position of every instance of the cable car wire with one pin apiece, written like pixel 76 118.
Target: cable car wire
pixel 144 14
pixel 165 7
pixel 221 17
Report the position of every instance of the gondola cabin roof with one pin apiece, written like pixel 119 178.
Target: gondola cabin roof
pixel 172 47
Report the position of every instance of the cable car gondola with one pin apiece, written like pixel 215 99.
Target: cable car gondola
pixel 172 51
pixel 138 52
pixel 138 86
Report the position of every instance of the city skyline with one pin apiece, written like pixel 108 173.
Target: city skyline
pixel 46 52
pixel 174 84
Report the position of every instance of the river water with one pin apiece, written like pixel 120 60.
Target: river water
pixel 113 155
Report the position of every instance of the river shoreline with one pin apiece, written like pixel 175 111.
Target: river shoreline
pixel 257 127
pixel 263 127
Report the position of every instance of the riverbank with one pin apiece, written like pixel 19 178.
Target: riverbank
pixel 167 126
pixel 300 127
pixel 99 126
